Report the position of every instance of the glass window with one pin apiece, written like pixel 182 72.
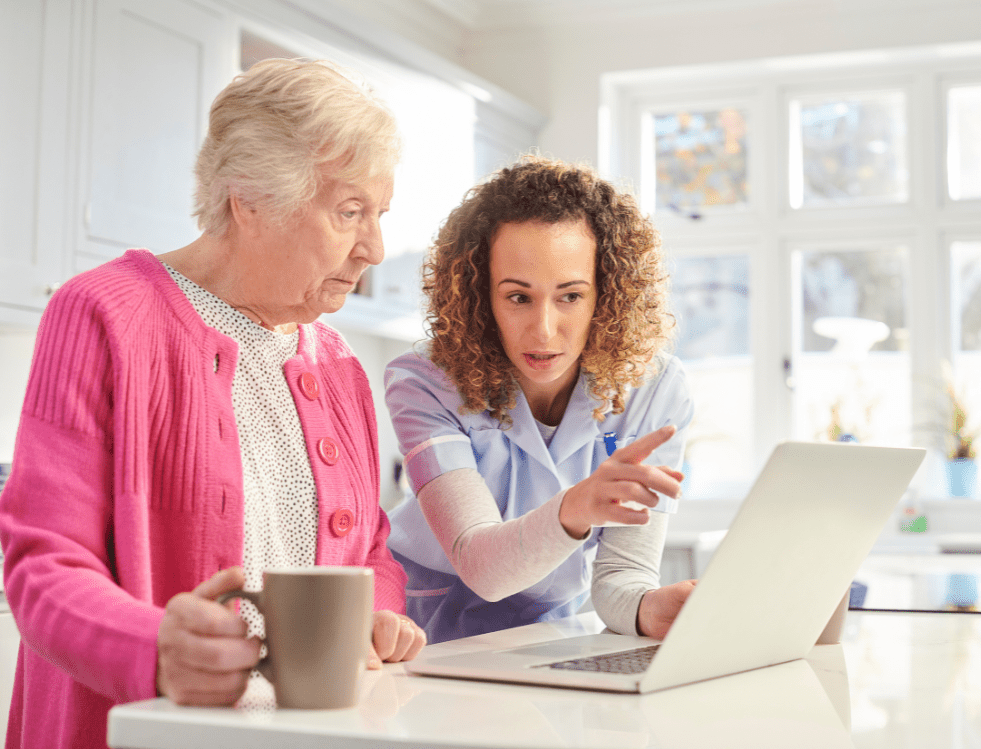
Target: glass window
pixel 848 150
pixel 965 264
pixel 964 142
pixel 710 299
pixel 966 277
pixel 851 370
pixel 699 159
pixel 868 284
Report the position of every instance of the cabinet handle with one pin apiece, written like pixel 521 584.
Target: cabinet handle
pixel 51 288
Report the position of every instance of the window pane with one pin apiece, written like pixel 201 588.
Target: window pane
pixel 848 150
pixel 711 301
pixel 710 298
pixel 868 284
pixel 700 158
pixel 965 265
pixel 851 371
pixel 965 268
pixel 964 142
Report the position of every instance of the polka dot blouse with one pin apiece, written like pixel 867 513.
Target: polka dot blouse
pixel 280 495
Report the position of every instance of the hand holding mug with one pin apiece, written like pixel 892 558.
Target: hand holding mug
pixel 203 655
pixel 318 633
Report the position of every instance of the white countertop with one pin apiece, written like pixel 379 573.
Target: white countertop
pixel 897 680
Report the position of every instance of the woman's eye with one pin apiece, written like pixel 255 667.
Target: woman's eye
pixel 517 298
pixel 349 214
pixel 572 296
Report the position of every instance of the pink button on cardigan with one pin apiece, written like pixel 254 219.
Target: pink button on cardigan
pixel 127 488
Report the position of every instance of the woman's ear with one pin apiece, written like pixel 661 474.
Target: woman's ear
pixel 245 216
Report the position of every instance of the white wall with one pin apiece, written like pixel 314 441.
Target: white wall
pixel 557 69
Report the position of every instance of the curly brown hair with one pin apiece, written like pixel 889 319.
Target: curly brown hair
pixel 630 324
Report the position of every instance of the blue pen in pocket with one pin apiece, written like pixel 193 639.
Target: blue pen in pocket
pixel 610 440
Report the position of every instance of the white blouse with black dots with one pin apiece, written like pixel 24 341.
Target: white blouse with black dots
pixel 280 495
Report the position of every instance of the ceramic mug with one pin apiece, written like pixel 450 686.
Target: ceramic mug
pixel 318 633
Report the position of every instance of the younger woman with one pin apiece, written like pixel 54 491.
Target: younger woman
pixel 543 421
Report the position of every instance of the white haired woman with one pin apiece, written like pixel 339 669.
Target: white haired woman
pixel 189 422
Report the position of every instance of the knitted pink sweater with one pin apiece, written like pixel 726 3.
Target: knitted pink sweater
pixel 127 488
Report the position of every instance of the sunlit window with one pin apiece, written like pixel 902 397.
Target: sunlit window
pixel 964 142
pixel 848 150
pixel 847 187
pixel 851 372
pixel 711 300
pixel 965 262
pixel 699 159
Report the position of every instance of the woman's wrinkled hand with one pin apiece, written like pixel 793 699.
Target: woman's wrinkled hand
pixel 622 477
pixel 659 608
pixel 203 655
pixel 394 638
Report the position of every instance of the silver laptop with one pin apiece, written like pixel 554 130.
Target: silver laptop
pixel 789 556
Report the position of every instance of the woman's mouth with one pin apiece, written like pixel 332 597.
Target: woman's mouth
pixel 540 360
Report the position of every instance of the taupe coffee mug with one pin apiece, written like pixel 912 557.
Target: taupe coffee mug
pixel 318 633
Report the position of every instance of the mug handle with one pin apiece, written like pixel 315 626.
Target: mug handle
pixel 264 665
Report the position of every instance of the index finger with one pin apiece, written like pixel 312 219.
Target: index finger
pixel 205 617
pixel 641 447
pixel 223 581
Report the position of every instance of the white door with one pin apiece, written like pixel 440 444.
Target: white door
pixel 35 37
pixel 157 67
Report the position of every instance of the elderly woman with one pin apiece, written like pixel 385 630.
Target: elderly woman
pixel 187 416
pixel 548 325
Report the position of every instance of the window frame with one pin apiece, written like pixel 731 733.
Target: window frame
pixel 926 223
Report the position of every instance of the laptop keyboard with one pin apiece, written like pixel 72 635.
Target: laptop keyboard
pixel 625 662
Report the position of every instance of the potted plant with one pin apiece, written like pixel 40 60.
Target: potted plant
pixel 962 470
pixel 858 423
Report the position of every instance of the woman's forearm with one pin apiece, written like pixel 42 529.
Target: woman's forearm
pixel 493 557
pixel 627 566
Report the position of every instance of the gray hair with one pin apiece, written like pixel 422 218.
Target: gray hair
pixel 274 127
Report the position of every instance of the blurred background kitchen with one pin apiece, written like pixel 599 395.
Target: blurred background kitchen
pixel 814 167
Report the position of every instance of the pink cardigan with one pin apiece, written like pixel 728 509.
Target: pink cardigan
pixel 127 488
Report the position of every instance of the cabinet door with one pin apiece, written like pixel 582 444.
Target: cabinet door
pixel 34 80
pixel 157 67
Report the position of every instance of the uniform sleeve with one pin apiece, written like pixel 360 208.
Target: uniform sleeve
pixel 424 405
pixel 57 512
pixel 493 557
pixel 628 559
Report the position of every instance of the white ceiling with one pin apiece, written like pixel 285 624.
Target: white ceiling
pixel 485 14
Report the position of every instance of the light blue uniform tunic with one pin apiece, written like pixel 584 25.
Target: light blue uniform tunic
pixel 521 472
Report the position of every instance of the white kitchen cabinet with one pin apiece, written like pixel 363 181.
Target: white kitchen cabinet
pixel 36 37
pixel 156 68
pixel 105 104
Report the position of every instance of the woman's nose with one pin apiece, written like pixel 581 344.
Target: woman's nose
pixel 546 323
pixel 370 245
